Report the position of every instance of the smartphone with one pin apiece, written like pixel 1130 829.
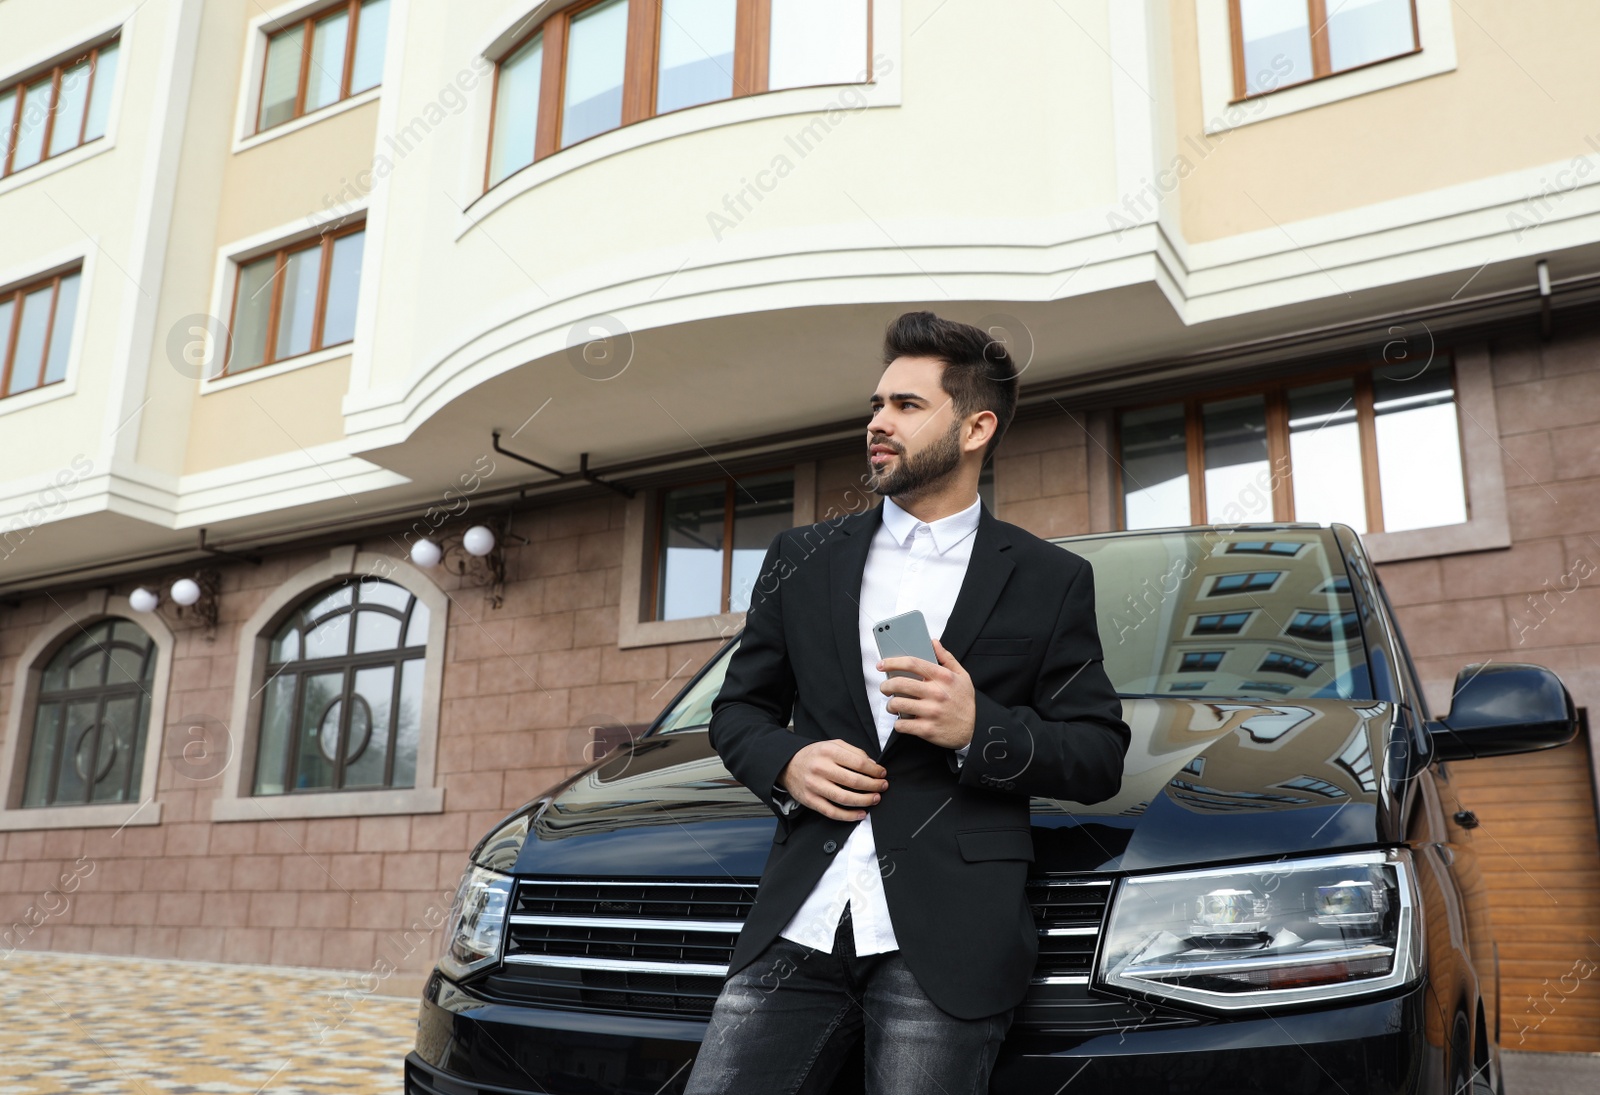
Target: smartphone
pixel 905 634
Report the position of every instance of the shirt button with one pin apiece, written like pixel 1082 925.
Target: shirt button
pixel 831 846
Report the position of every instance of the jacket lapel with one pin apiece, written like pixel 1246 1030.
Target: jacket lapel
pixel 847 562
pixel 988 569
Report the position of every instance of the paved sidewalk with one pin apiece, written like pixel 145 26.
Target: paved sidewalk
pixel 135 1026
pixel 1550 1073
pixel 79 1023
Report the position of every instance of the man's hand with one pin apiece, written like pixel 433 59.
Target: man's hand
pixel 941 708
pixel 834 778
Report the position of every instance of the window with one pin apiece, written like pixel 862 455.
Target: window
pixel 58 109
pixel 1281 43
pixel 695 59
pixel 299 298
pixel 319 60
pixel 1315 786
pixel 1222 623
pixel 1319 627
pixel 1263 547
pixel 1274 687
pixel 341 708
pixel 599 65
pixel 1187 686
pixel 36 332
pixel 1200 661
pixel 1278 662
pixel 1356 758
pixel 711 539
pixel 1342 447
pixel 1258 581
pixel 90 723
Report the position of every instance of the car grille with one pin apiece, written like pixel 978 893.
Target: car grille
pixel 645 947
pixel 661 947
pixel 1069 912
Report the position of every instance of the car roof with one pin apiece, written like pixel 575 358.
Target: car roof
pixel 1275 526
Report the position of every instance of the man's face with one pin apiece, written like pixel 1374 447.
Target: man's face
pixel 913 437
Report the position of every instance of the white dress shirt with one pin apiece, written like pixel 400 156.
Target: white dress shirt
pixel 910 565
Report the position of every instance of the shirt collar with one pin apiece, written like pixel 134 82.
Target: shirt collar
pixel 947 531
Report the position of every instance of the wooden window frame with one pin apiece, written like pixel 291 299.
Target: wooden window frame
pixel 1276 398
pixel 1321 58
pixel 658 518
pixel 641 61
pixel 8 337
pixel 13 124
pixel 319 316
pixel 307 26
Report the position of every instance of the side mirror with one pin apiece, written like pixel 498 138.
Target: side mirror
pixel 1504 707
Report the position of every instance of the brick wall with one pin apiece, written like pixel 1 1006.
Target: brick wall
pixel 521 686
pixel 1538 601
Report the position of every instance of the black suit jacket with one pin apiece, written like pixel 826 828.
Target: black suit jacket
pixel 953 842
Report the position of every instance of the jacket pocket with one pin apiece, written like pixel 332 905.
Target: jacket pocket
pixel 1009 843
pixel 999 648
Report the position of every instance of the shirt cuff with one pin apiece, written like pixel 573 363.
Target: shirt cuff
pixel 785 801
pixel 961 754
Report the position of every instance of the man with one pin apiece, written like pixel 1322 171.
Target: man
pixel 892 907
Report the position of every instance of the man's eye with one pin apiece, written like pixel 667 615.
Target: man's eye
pixel 907 403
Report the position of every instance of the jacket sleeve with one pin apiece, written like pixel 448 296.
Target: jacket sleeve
pixel 1070 741
pixel 750 715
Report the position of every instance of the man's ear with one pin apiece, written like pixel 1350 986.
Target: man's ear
pixel 980 427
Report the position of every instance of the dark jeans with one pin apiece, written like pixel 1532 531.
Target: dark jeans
pixel 784 1023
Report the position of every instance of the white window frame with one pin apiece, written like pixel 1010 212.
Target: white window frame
pixel 237 800
pixel 94 607
pixel 1435 37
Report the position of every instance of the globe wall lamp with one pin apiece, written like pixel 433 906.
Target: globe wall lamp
pixel 192 597
pixel 476 554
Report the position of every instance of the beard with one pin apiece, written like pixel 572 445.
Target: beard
pixel 913 473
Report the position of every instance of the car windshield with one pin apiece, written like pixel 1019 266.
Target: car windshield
pixel 693 711
pixel 1211 612
pixel 1202 613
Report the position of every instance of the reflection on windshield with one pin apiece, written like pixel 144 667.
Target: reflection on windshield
pixel 1259 614
pixel 1212 613
pixel 694 710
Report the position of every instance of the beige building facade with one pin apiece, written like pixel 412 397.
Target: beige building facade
pixel 286 289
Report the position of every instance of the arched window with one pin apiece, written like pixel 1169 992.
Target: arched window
pixel 342 704
pixel 89 725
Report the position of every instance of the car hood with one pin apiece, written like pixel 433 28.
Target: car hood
pixel 1204 781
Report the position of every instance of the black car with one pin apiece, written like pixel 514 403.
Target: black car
pixel 1282 897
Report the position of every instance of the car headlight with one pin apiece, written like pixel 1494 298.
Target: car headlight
pixel 1272 933
pixel 476 926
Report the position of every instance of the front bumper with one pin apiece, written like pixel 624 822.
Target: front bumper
pixel 470 1046
pixel 467 1045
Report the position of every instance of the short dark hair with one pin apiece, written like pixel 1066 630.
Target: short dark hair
pixel 979 374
